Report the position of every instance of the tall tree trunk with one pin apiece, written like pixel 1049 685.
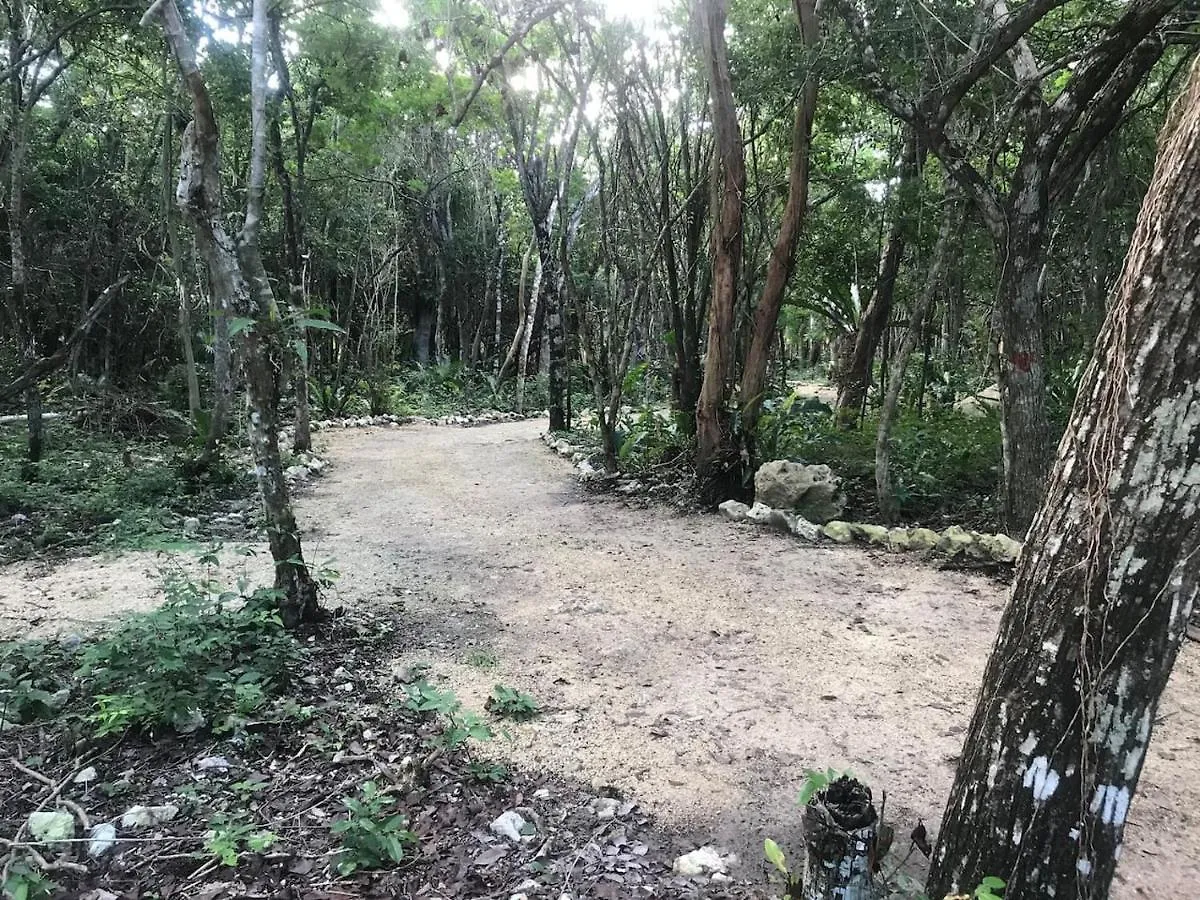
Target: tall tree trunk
pixel 170 215
pixel 951 218
pixel 783 254
pixel 1024 425
pixel 856 376
pixel 501 253
pixel 24 320
pixel 1106 583
pixel 239 280
pixel 524 320
pixel 535 295
pixel 716 455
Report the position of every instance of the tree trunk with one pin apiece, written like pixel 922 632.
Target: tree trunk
pixel 178 270
pixel 555 337
pixel 497 343
pixel 26 328
pixel 535 295
pixel 1024 426
pixel 717 460
pixel 856 376
pixel 523 319
pixel 239 283
pixel 1106 583
pixel 951 217
pixel 783 254
pixel 840 824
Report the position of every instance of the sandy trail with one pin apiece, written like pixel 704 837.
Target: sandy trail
pixel 696 665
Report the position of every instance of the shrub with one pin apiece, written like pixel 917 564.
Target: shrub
pixel 373 834
pixel 203 658
pixel 509 703
pixel 944 466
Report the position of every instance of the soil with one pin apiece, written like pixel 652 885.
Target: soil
pixel 698 666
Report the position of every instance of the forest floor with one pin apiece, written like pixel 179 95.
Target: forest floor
pixel 697 666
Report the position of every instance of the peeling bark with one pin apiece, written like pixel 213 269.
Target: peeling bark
pixel 239 284
pixel 1105 586
pixel 716 456
pixel 783 253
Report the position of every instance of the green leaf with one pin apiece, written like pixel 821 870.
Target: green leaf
pixel 238 324
pixel 774 855
pixel 322 325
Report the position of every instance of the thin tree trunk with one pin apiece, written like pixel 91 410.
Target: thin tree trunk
pixel 783 254
pixel 951 218
pixel 1106 583
pixel 716 457
pixel 18 146
pixel 856 377
pixel 527 336
pixel 239 280
pixel 524 320
pixel 171 224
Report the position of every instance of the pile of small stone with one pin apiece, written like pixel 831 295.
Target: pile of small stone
pixel 383 421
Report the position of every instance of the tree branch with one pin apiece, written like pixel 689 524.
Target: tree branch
pixel 48 364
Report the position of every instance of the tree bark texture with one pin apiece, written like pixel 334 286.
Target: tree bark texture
pixel 1105 585
pixel 856 376
pixel 1024 424
pixel 239 283
pixel 715 453
pixel 783 253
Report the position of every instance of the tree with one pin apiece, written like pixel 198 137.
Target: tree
pixel 1055 128
pixel 716 454
pixel 1105 586
pixel 783 254
pixel 241 286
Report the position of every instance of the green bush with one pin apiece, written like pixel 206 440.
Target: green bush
pixel 373 834
pixel 201 659
pixel 93 490
pixel 509 703
pixel 35 679
pixel 945 466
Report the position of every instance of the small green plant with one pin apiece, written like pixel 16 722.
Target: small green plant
pixel 204 658
pixel 482 659
pixel 775 857
pixel 815 781
pixel 228 836
pixel 461 725
pixel 990 888
pixel 509 703
pixel 487 772
pixel 25 882
pixel 373 834
pixel 34 679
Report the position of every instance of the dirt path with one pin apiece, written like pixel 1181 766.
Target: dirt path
pixel 695 665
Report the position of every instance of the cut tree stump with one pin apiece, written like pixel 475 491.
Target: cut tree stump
pixel 840 823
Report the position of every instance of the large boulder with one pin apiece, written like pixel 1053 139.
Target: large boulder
pixel 976 406
pixel 809 491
